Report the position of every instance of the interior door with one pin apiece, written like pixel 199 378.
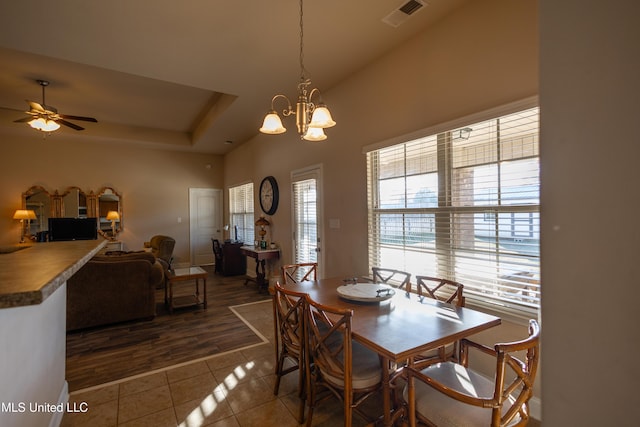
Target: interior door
pixel 205 213
pixel 307 213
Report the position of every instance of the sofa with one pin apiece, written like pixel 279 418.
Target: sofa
pixel 113 287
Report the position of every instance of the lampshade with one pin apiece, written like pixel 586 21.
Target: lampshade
pixel 314 134
pixel 272 124
pixel 113 216
pixel 321 118
pixel 44 125
pixel 262 221
pixel 24 214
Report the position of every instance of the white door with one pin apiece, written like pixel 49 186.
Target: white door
pixel 307 216
pixel 205 218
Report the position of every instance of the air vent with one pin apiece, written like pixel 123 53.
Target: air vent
pixel 403 12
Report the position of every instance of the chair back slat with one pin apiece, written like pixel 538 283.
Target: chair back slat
pixel 295 273
pixel 441 289
pixel 401 279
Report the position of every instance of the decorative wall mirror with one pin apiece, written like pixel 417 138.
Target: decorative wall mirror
pixel 74 203
pixel 109 212
pixel 38 200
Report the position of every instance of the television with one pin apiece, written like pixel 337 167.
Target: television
pixel 73 229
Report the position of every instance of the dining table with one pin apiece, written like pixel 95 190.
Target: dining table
pixel 397 325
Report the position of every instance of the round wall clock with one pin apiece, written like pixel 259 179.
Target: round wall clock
pixel 269 195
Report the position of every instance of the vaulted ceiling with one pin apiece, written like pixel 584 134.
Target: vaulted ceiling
pixel 190 75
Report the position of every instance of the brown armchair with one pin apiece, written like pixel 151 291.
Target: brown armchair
pixel 162 249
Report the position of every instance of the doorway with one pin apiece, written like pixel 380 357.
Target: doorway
pixel 205 223
pixel 306 187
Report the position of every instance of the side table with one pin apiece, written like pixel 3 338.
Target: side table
pixel 181 275
pixel 260 255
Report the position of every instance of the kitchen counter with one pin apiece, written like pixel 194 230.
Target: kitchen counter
pixel 31 274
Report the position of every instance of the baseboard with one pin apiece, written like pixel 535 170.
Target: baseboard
pixel 535 408
pixel 63 398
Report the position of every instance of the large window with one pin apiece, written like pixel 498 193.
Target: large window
pixel 241 213
pixel 463 204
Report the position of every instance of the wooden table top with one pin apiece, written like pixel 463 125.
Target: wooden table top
pixel 187 273
pixel 402 326
pixel 260 254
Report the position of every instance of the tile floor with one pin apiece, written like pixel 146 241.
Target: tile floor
pixel 232 389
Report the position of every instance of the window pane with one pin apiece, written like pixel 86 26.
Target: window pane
pixel 241 213
pixel 475 220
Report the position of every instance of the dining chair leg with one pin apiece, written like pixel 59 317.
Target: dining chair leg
pixel 411 396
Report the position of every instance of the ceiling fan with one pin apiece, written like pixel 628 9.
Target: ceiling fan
pixel 46 118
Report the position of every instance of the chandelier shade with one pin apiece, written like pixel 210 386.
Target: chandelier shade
pixel 321 118
pixel 272 124
pixel 311 118
pixel 314 134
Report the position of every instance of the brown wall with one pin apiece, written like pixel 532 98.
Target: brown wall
pixel 154 184
pixel 482 56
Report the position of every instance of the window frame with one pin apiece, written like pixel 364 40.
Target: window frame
pixel 446 207
pixel 241 212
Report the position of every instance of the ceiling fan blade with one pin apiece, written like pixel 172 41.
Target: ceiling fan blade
pixel 86 119
pixel 24 120
pixel 69 124
pixel 35 106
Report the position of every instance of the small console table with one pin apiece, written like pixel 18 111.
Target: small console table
pixel 183 274
pixel 261 256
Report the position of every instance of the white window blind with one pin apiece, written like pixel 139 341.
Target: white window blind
pixel 241 213
pixel 464 205
pixel 305 220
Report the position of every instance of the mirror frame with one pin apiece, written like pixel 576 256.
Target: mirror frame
pixel 56 207
pixel 44 215
pixel 107 233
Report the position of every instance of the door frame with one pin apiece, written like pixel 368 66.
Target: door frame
pixel 311 172
pixel 194 220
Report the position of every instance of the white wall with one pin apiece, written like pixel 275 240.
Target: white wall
pixel 589 86
pixel 32 351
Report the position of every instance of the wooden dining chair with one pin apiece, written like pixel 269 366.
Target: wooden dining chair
pixel 449 393
pixel 290 338
pixel 447 291
pixel 440 289
pixel 333 353
pixel 295 273
pixel 398 278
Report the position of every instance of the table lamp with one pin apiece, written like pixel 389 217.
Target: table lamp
pixel 262 223
pixel 113 216
pixel 22 215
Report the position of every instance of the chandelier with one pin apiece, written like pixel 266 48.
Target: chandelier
pixel 311 118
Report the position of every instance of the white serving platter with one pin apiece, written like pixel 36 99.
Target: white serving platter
pixel 366 292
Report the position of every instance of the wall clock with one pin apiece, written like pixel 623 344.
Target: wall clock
pixel 269 195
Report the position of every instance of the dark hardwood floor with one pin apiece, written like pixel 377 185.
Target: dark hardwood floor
pixel 111 353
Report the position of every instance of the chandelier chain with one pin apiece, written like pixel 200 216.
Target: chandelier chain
pixel 302 69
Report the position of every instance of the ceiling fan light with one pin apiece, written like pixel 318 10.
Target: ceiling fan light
pixel 314 134
pixel 37 123
pixel 272 124
pixel 50 126
pixel 321 117
pixel 44 125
